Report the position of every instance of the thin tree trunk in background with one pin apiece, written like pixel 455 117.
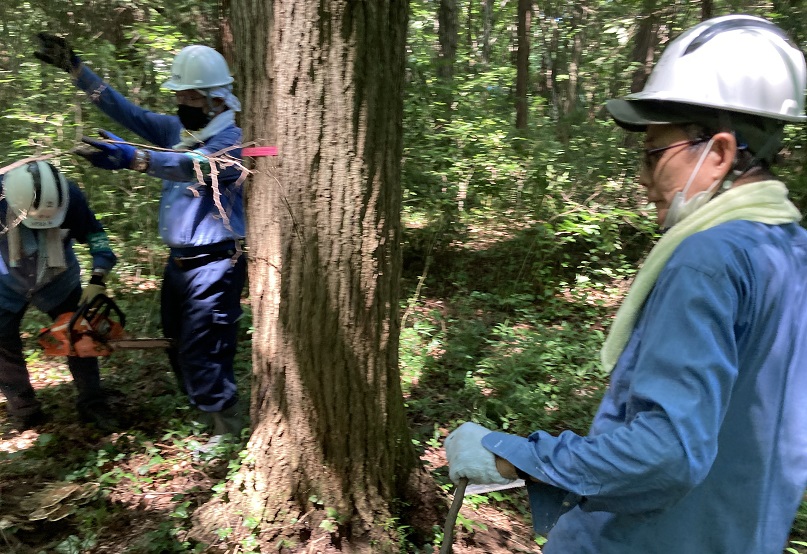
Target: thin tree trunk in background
pixel 448 20
pixel 487 26
pixel 448 36
pixel 553 53
pixel 523 62
pixel 330 452
pixel 575 59
pixel 645 43
pixel 707 9
pixel 469 35
pixel 225 35
pixel 542 73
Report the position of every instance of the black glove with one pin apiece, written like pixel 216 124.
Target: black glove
pixel 56 51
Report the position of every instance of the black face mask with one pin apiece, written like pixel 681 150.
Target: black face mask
pixel 192 118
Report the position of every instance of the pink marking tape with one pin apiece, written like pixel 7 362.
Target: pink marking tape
pixel 258 151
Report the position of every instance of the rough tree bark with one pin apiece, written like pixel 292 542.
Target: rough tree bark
pixel 330 455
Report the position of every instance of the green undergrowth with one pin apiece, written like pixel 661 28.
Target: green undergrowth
pixel 494 334
pixel 150 477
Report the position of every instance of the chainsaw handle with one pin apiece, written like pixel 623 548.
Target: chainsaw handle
pixel 89 310
pixel 75 318
pixel 105 303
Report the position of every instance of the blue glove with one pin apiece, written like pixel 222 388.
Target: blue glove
pixel 468 458
pixel 107 155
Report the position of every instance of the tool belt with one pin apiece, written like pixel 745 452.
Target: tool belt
pixel 196 256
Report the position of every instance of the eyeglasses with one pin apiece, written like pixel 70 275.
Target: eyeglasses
pixel 651 156
pixel 189 98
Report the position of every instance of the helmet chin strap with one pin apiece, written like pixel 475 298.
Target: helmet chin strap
pixel 681 206
pixel 698 165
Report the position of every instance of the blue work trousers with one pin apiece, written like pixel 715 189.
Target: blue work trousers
pixel 15 382
pixel 200 308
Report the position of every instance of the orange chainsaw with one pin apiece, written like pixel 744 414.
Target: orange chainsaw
pixel 95 329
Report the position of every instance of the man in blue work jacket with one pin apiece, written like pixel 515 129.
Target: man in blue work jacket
pixel 42 214
pixel 700 442
pixel 205 273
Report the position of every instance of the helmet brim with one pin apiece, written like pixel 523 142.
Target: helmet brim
pixel 175 86
pixel 637 115
pixel 50 223
pixel 758 134
pixel 171 85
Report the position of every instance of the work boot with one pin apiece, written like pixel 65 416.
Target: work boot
pixel 229 421
pixel 30 421
pixel 224 427
pixel 100 415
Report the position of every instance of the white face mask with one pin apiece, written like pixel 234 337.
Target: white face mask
pixel 680 207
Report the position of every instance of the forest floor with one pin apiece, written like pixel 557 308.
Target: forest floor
pixel 69 489
pixel 149 479
pixel 140 487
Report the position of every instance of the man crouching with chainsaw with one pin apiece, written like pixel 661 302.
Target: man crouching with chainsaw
pixel 38 266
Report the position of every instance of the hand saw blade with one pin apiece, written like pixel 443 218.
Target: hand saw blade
pixel 484 489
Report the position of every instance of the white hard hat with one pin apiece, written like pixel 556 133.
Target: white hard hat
pixel 198 67
pixel 734 63
pixel 38 193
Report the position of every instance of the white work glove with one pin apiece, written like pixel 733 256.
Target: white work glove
pixel 468 458
pixel 95 287
pixel 90 292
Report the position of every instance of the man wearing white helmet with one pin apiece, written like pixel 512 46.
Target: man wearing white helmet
pixel 42 214
pixel 700 442
pixel 201 291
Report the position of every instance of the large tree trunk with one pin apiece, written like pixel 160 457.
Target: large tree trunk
pixel 330 450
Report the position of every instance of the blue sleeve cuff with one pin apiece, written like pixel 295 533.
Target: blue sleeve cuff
pixel 517 450
pixel 87 80
pixel 104 260
pixel 547 502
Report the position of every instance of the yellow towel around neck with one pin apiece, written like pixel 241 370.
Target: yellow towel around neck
pixel 763 201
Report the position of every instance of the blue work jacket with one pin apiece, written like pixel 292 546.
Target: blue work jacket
pixel 18 285
pixel 700 443
pixel 188 216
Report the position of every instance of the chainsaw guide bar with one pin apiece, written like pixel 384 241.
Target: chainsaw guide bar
pixel 95 329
